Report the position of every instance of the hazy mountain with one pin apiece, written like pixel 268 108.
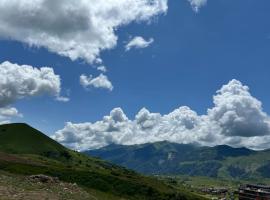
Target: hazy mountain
pixel 184 159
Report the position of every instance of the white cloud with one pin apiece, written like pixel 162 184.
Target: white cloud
pixel 23 81
pixel 138 43
pixel 101 81
pixel 197 4
pixel 102 68
pixel 62 99
pixel 9 112
pixel 78 29
pixel 236 119
pixel 147 120
pixel 20 81
pixel 237 112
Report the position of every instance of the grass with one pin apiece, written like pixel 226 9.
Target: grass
pixel 20 187
pixel 116 182
pixel 197 183
pixel 25 151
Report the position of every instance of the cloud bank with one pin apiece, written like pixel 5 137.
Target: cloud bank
pixel 101 81
pixel 138 42
pixel 236 119
pixel 78 29
pixel 23 81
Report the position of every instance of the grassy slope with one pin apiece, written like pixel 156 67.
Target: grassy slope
pixel 247 167
pixel 23 139
pixel 26 151
pixel 14 187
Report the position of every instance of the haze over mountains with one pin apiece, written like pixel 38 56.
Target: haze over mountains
pixel 165 158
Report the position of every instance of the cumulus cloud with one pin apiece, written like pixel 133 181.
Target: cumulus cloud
pixel 236 119
pixel 23 81
pixel 237 112
pixel 20 81
pixel 78 29
pixel 100 81
pixel 138 43
pixel 197 4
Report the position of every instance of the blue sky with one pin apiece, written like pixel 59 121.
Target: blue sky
pixel 192 56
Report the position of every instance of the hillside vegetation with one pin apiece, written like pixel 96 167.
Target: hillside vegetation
pixel 25 151
pixel 165 158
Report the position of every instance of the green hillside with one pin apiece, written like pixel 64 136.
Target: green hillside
pixel 25 151
pixel 165 158
pixel 23 139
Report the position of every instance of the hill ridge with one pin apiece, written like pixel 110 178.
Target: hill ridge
pixel 24 139
pixel 165 158
pixel 27 151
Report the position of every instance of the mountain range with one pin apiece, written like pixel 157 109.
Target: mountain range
pixel 165 158
pixel 25 151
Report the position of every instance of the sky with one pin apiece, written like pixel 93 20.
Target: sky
pixel 128 72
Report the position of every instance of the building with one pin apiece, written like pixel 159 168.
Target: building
pixel 254 192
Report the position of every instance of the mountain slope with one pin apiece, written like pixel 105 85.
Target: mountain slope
pixel 14 187
pixel 26 151
pixel 181 159
pixel 22 139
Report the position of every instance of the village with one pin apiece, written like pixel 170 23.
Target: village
pixel 245 192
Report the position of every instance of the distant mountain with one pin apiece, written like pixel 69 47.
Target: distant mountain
pixel 183 159
pixel 26 151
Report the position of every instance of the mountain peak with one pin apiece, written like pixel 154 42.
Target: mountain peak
pixel 171 158
pixel 20 138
